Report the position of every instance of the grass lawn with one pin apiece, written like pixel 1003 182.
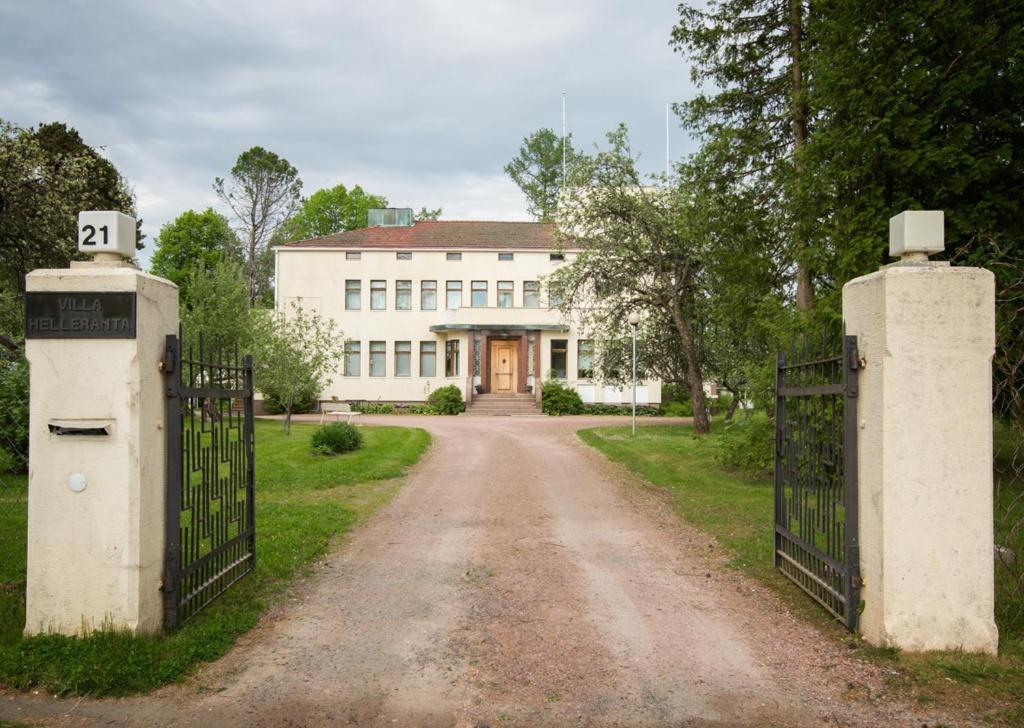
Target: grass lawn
pixel 302 501
pixel 738 510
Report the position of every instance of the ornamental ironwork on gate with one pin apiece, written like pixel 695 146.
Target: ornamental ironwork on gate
pixel 816 471
pixel 211 535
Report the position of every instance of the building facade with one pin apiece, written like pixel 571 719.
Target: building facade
pixel 422 305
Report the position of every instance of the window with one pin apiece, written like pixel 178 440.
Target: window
pixel 378 350
pixel 559 355
pixel 378 295
pixel 403 255
pixel 353 256
pixel 557 256
pixel 428 358
pixel 478 295
pixel 403 358
pixel 428 295
pixel 389 217
pixel 585 359
pixel 506 292
pixel 353 295
pixel 451 358
pixel 454 256
pixel 352 351
pixel 454 291
pixel 403 295
pixel 531 294
pixel 505 256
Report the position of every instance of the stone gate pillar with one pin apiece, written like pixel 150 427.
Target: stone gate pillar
pixel 926 335
pixel 94 339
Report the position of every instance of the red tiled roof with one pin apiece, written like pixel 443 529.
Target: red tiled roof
pixel 443 234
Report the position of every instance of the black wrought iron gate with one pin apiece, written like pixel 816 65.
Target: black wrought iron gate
pixel 816 472
pixel 211 537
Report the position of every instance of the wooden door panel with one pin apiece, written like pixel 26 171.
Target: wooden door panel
pixel 504 366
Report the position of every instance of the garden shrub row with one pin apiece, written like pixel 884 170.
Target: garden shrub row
pixel 558 399
pixel 374 408
pixel 442 401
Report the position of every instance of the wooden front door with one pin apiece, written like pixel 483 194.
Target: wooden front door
pixel 504 366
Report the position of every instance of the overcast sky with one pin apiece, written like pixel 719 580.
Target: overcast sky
pixel 422 101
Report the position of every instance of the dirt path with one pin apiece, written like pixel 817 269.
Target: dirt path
pixel 517 579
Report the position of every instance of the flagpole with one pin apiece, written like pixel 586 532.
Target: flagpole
pixel 563 139
pixel 668 156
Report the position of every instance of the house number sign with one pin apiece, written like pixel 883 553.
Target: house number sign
pixel 74 315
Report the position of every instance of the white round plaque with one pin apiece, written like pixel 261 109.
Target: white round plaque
pixel 77 482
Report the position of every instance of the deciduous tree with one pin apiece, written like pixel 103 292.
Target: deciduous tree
pixel 330 210
pixel 191 240
pixel 262 193
pixel 642 247
pixel 425 214
pixel 217 308
pixel 47 176
pixel 295 352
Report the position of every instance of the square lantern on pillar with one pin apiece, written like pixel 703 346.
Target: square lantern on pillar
pixel 106 231
pixel 916 231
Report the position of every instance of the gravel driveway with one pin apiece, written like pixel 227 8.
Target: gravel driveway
pixel 518 579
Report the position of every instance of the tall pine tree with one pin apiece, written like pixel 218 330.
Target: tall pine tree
pixel 755 120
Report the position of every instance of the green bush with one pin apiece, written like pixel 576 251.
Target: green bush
pixel 558 399
pixel 421 409
pixel 642 410
pixel 748 444
pixel 14 415
pixel 336 438
pixel 677 409
pixel 446 400
pixel 304 402
pixel 674 393
pixel 374 408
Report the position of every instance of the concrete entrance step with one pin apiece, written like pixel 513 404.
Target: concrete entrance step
pixel 485 408
pixel 519 404
pixel 505 403
pixel 504 397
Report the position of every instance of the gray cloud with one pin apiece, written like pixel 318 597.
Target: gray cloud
pixel 423 102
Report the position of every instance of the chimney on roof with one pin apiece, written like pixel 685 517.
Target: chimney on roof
pixel 391 217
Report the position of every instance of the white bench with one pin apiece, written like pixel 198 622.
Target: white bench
pixel 338 409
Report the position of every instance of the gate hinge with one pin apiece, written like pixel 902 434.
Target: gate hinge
pixel 170 355
pixel 855 360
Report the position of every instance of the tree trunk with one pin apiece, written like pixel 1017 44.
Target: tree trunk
pixel 732 406
pixel 701 424
pixel 799 114
pixel 288 415
pixel 250 269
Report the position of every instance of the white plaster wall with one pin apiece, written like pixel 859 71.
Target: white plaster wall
pixel 926 333
pixel 648 391
pixel 315 279
pixel 96 557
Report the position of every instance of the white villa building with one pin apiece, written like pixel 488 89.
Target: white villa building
pixel 426 304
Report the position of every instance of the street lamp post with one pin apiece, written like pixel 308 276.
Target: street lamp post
pixel 634 319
